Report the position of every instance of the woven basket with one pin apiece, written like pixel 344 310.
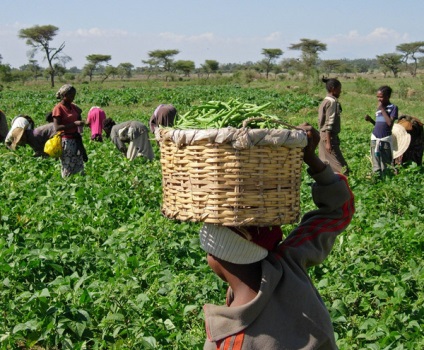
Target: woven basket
pixel 217 182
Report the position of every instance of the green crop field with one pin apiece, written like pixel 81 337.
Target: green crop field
pixel 89 262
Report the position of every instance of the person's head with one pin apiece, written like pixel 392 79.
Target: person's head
pixel 49 117
pixel 66 93
pixel 333 86
pixel 108 124
pixel 383 94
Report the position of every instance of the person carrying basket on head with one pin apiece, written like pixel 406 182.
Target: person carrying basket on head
pixel 271 302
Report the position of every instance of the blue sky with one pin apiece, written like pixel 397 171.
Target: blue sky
pixel 229 31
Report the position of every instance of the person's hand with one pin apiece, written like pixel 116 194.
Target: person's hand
pixel 310 158
pixel 313 138
pixel 328 147
pixel 79 123
pixel 367 118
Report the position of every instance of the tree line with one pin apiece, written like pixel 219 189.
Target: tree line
pixel 408 57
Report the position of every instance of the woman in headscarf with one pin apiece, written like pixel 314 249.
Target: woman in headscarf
pixel 67 118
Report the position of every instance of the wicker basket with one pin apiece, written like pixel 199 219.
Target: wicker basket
pixel 219 179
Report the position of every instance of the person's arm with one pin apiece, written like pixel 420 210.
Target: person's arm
pixel 387 118
pixel 114 136
pixel 369 119
pixel 313 239
pixel 61 127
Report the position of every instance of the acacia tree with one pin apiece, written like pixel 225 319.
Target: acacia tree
pixel 164 58
pixel 109 71
pixel 94 62
pixel 210 66
pixel 310 49
pixel 390 61
pixel 185 66
pixel 409 50
pixel 152 66
pixel 124 70
pixel 271 56
pixel 39 38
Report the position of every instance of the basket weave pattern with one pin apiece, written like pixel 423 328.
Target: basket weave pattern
pixel 216 183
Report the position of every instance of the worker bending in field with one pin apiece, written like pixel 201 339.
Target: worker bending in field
pixel 4 128
pixel 15 136
pixel 38 137
pixel 133 133
pixel 164 115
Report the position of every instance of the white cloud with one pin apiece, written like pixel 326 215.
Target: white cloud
pixel 354 45
pixel 179 38
pixel 273 37
pixel 378 35
pixel 97 33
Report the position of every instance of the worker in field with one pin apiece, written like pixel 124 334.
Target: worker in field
pixel 415 150
pixel 381 136
pixel 67 119
pixel 16 135
pixel 133 133
pixel 37 138
pixel 164 115
pixel 271 302
pixel 329 122
pixel 4 128
pixel 95 118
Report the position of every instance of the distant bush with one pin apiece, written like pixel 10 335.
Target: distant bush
pixel 364 86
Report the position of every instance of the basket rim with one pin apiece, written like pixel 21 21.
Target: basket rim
pixel 240 138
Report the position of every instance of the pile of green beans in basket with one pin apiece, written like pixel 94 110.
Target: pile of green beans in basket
pixel 219 114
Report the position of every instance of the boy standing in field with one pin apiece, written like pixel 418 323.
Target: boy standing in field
pixel 381 137
pixel 329 122
pixel 271 302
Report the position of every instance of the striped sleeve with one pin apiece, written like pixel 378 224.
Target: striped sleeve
pixel 234 342
pixel 311 242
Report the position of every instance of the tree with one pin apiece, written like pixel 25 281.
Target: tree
pixel 94 62
pixel 152 66
pixel 185 66
pixel 32 67
pixel 109 71
pixel 39 38
pixel 164 58
pixel 271 56
pixel 124 70
pixel 6 73
pixel 310 49
pixel 390 61
pixel 409 51
pixel 210 66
